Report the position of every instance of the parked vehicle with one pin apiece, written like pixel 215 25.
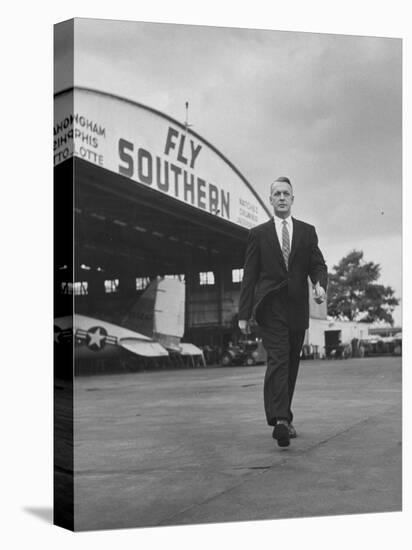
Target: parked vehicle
pixel 377 345
pixel 339 351
pixel 246 353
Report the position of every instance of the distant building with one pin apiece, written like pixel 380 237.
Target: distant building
pixel 324 333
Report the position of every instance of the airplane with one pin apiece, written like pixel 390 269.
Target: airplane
pixel 152 328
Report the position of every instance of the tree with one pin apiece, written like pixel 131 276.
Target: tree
pixel 354 294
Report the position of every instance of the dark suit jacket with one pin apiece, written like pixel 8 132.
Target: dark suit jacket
pixel 265 271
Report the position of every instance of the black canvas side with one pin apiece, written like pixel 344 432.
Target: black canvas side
pixel 63 295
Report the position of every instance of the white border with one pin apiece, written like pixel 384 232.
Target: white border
pixel 26 229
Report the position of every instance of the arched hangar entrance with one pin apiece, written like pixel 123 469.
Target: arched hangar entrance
pixel 150 197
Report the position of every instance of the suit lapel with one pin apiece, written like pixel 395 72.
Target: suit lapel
pixel 274 241
pixel 297 235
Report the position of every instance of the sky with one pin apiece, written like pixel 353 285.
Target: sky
pixel 324 110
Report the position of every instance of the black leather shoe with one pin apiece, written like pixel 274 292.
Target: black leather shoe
pixel 292 431
pixel 281 434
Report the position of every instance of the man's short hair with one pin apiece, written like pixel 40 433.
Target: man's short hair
pixel 281 179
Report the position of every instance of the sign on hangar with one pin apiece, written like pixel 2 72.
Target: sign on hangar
pixel 152 149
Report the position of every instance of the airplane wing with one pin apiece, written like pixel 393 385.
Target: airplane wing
pixel 189 349
pixel 96 337
pixel 145 348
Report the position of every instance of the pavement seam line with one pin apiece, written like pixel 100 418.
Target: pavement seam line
pixel 272 467
pixel 338 434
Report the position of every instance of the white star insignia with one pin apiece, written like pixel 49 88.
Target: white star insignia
pixel 96 337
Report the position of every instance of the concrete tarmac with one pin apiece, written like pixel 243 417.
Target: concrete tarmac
pixel 192 446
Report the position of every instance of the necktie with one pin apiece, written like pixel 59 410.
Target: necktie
pixel 285 242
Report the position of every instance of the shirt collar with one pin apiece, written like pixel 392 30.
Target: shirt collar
pixel 278 220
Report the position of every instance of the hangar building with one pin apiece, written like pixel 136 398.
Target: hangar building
pixel 150 197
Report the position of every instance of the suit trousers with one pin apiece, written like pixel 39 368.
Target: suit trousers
pixel 283 346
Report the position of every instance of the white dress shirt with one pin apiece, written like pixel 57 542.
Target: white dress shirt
pixel 279 227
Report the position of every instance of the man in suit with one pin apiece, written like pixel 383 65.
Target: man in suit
pixel 280 256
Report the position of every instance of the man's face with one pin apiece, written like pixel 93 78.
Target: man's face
pixel 281 198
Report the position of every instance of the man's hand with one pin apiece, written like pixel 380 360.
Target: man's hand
pixel 319 293
pixel 244 326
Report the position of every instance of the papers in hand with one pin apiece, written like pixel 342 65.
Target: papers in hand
pixel 319 293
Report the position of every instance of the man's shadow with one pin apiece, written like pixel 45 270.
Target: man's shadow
pixel 43 513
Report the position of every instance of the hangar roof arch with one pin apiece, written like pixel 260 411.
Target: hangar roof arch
pixel 151 149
